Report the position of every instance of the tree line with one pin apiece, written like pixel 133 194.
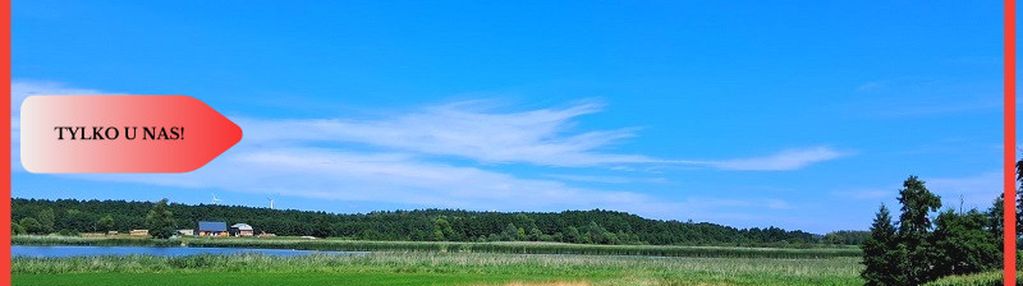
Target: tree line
pixel 70 216
pixel 925 244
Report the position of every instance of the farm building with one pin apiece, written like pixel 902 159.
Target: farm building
pixel 186 232
pixel 241 229
pixel 211 228
pixel 139 232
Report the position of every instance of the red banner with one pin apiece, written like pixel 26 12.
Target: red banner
pixel 121 134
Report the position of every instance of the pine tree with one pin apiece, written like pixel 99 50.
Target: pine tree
pixel 884 265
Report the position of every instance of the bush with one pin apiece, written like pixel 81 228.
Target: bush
pixel 67 232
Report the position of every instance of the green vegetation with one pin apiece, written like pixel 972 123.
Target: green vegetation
pixel 422 268
pixel 586 227
pixel 160 221
pixel 917 251
pixel 989 278
pixel 846 237
pixel 925 246
pixel 467 247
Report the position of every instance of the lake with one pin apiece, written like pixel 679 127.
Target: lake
pixel 70 251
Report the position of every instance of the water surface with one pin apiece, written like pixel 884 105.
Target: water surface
pixel 73 251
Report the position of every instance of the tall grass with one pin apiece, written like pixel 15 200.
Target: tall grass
pixel 465 247
pixel 624 270
pixel 990 278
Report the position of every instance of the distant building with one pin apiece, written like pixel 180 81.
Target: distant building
pixel 139 232
pixel 186 232
pixel 211 228
pixel 241 229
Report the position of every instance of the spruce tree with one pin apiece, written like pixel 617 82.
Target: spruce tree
pixel 881 256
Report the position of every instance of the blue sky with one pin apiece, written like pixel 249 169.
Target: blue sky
pixel 747 114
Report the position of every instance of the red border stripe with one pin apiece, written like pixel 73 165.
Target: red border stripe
pixel 5 144
pixel 1009 147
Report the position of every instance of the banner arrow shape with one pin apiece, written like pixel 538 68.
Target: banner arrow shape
pixel 121 134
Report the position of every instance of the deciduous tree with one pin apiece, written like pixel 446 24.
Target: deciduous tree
pixel 160 220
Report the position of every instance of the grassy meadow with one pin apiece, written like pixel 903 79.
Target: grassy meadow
pixel 434 268
pixel 440 263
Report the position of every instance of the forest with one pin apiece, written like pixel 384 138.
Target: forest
pixel 69 216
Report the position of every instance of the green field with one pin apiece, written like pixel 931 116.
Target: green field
pixel 426 268
pixel 441 263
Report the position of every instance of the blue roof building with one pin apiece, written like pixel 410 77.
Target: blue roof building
pixel 208 228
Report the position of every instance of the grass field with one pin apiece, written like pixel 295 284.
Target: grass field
pixel 441 263
pixel 433 268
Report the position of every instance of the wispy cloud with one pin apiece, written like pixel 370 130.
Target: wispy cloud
pixel 466 130
pixel 786 160
pixel 20 89
pixel 379 177
pixel 608 179
pixel 539 137
pixel 451 155
pixel 405 179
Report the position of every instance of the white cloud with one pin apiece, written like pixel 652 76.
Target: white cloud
pixel 406 159
pixel 608 179
pixel 378 177
pixel 404 179
pixel 20 89
pixel 539 137
pixel 782 161
pixel 465 130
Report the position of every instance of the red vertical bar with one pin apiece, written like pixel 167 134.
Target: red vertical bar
pixel 1009 148
pixel 5 143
